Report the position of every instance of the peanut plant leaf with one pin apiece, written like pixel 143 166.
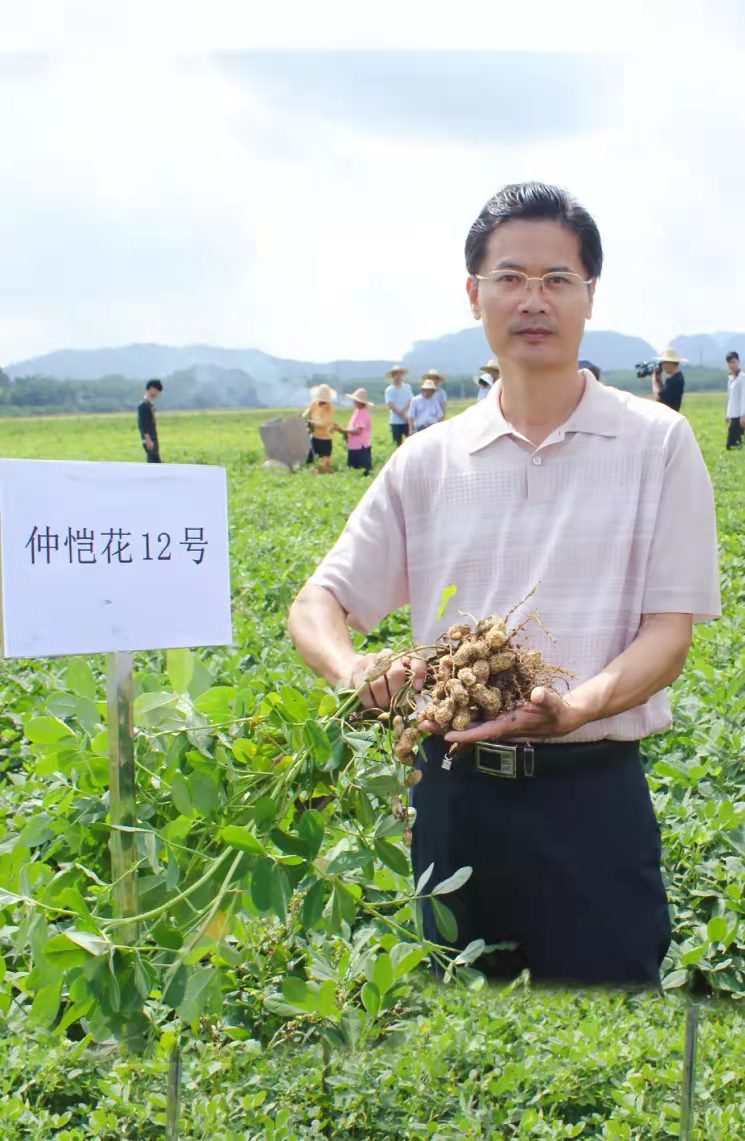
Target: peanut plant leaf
pixel 453 882
pixel 180 669
pixel 448 593
pixel 445 920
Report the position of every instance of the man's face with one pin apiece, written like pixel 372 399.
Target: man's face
pixel 734 365
pixel 669 367
pixel 428 393
pixel 397 379
pixel 153 394
pixel 532 329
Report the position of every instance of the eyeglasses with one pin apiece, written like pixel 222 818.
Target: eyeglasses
pixel 514 283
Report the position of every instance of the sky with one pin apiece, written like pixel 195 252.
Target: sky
pixel 304 185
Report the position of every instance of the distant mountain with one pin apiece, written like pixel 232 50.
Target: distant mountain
pixel 699 349
pixel 465 352
pixel 254 377
pixel 453 354
pixel 710 349
pixel 731 342
pixel 611 351
pixel 142 361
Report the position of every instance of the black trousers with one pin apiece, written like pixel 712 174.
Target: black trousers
pixel 734 433
pixel 399 432
pixel 154 456
pixel 360 458
pixel 566 867
pixel 320 448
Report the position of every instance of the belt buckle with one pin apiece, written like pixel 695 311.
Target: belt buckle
pixel 504 764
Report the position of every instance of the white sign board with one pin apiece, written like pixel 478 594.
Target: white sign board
pixel 98 557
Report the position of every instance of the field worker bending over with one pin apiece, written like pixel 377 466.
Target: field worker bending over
pixel 602 502
pixel 425 409
pixel 320 416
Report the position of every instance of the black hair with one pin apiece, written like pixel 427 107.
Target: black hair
pixel 733 356
pixel 154 384
pixel 594 369
pixel 535 201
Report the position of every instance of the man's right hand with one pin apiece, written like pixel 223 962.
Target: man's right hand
pixel 149 445
pixel 378 677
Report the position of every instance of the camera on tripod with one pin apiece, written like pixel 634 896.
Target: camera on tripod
pixel 647 368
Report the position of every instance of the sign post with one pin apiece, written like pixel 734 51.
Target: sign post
pixel 689 1072
pixel 122 806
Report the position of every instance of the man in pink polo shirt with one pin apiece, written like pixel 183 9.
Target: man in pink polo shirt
pixel 601 501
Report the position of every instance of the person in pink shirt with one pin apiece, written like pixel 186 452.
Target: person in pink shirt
pixel 599 505
pixel 358 432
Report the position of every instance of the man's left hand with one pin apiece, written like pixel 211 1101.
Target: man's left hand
pixel 545 715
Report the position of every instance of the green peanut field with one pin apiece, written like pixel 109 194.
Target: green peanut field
pixel 279 937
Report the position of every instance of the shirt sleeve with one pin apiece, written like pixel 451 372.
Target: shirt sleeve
pixel 366 570
pixel 683 567
pixel 741 391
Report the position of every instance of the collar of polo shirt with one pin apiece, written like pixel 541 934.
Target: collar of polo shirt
pixel 597 414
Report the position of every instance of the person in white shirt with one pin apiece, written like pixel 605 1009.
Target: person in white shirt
pixel 441 395
pixel 489 373
pixel 397 399
pixel 425 409
pixel 484 382
pixel 735 414
pixel 595 508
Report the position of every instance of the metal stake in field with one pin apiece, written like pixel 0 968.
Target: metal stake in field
pixel 689 1072
pixel 173 1100
pixel 122 809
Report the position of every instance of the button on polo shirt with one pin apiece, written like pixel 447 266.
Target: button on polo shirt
pixel 617 521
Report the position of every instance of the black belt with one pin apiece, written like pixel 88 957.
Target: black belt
pixel 525 761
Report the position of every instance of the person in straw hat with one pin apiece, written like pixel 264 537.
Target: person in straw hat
pixel 425 409
pixel 484 381
pixel 486 377
pixel 492 368
pixel 398 396
pixel 320 416
pixel 440 395
pixel 358 432
pixel 592 507
pixel 669 391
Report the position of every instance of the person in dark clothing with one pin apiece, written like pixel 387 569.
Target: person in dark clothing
pixel 594 369
pixel 669 391
pixel 146 421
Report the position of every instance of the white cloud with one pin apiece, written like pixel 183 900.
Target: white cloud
pixel 661 30
pixel 155 197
